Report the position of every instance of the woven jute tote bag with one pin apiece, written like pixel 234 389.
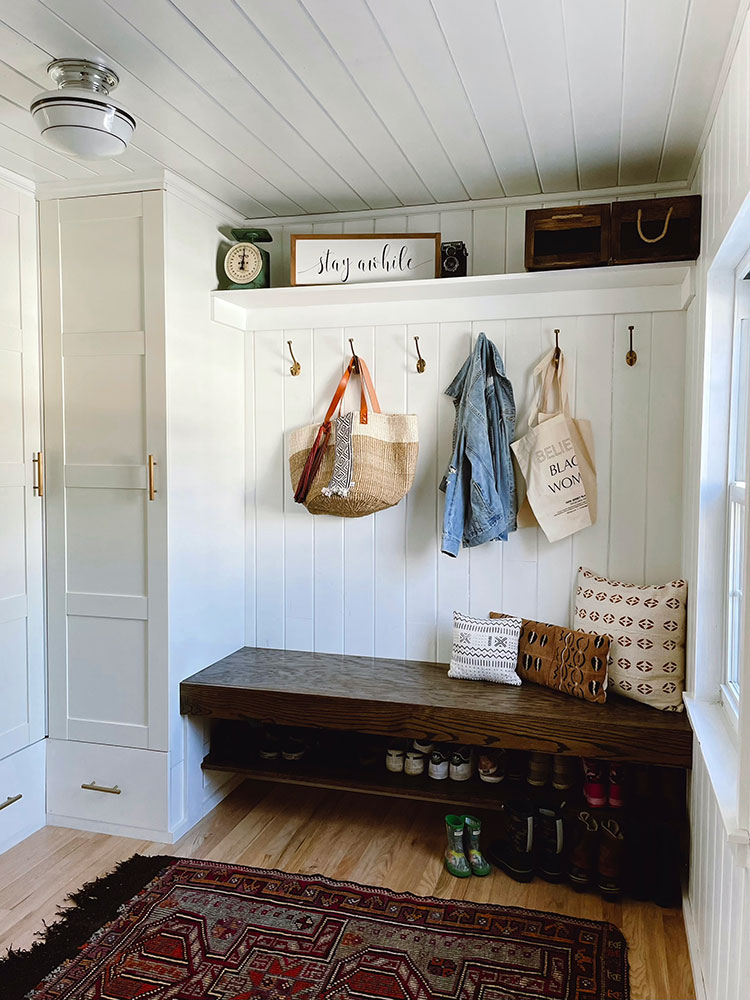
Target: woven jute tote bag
pixel 370 466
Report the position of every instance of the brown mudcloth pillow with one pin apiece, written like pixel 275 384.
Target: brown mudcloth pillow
pixel 563 659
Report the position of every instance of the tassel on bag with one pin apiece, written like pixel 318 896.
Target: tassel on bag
pixel 373 462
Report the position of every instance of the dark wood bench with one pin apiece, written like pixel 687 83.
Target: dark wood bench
pixel 404 698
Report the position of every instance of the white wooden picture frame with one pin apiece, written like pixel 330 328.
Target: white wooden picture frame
pixel 346 259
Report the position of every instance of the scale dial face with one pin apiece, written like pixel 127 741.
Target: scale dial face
pixel 243 263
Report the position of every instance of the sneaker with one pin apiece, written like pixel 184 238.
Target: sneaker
pixel 549 841
pixel 414 762
pixel 472 850
pixel 564 772
pixel 538 772
pixel 456 861
pixel 514 852
pixel 293 748
pixel 584 853
pixel 594 784
pixel 423 746
pixel 617 785
pixel 439 763
pixel 461 765
pixel 269 746
pixel 394 759
pixel 492 766
pixel 611 859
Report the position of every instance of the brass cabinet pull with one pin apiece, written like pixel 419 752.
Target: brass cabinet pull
pixel 10 800
pixel 152 491
pixel 38 461
pixel 93 787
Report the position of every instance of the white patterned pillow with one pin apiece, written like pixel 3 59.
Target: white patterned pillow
pixel 485 650
pixel 647 626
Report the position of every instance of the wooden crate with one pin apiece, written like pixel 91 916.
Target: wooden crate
pixel 574 236
pixel 659 229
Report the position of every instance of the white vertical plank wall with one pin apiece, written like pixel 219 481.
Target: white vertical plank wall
pixel 718 900
pixel 380 585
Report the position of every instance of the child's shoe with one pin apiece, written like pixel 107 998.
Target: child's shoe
pixel 564 772
pixel 394 759
pixel 455 859
pixel 414 763
pixel 472 831
pixel 540 765
pixel 492 766
pixel 594 783
pixel 617 785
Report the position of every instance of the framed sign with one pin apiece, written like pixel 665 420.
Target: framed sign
pixel 345 259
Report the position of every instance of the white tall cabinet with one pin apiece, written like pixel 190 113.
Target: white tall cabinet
pixel 22 703
pixel 142 402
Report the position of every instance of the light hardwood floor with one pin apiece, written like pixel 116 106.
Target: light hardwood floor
pixel 376 841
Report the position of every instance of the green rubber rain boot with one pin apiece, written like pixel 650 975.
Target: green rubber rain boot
pixel 472 830
pixel 455 859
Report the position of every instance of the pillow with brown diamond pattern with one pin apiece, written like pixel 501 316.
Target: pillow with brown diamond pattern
pixel 565 660
pixel 647 625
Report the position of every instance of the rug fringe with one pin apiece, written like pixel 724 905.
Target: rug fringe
pixel 96 903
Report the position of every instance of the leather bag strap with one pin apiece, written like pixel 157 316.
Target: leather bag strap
pixel 315 456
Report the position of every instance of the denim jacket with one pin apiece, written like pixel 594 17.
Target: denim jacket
pixel 480 494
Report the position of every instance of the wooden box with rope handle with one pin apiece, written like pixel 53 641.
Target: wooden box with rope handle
pixel 656 230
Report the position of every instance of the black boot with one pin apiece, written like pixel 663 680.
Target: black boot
pixel 549 841
pixel 514 852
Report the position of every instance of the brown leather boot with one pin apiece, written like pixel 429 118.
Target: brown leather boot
pixel 584 854
pixel 611 859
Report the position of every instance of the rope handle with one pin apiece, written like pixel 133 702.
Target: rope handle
pixel 663 232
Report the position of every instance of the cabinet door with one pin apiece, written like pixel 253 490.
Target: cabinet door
pixel 22 715
pixel 103 338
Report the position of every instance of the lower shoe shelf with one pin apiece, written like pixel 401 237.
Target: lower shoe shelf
pixel 368 780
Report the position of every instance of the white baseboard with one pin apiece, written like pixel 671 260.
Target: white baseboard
pixel 693 948
pixel 19 835
pixel 221 793
pixel 113 829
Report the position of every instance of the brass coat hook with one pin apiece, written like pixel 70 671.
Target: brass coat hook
pixel 631 357
pixel 421 363
pixel 296 367
pixel 355 359
pixel 557 348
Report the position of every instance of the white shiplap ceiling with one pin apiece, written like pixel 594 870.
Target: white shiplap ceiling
pixel 282 107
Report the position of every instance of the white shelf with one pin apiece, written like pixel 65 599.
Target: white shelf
pixel 584 291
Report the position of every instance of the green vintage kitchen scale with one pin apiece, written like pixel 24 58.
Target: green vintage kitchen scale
pixel 245 264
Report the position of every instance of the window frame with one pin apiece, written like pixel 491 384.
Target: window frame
pixel 735 615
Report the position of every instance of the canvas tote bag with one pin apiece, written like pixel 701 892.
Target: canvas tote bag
pixel 556 459
pixel 368 466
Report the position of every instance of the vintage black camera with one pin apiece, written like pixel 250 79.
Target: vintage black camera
pixel 453 258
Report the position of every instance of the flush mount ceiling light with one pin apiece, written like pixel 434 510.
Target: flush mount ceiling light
pixel 80 118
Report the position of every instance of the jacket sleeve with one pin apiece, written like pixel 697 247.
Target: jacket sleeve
pixel 455 500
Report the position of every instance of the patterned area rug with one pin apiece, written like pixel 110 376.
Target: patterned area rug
pixel 200 930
